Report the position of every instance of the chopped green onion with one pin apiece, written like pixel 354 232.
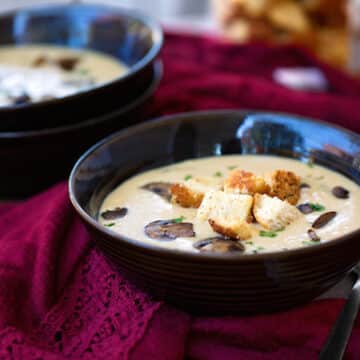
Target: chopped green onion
pixel 83 71
pixel 267 233
pixel 311 242
pixel 317 207
pixel 218 174
pixel 187 177
pixel 110 224
pixel 232 167
pixel 310 163
pixel 179 219
pixel 260 248
pixel 249 243
pixel 281 229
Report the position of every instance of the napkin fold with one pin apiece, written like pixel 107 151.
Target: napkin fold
pixel 60 298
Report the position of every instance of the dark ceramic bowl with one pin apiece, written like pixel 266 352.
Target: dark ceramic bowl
pixel 214 283
pixel 132 37
pixel 33 160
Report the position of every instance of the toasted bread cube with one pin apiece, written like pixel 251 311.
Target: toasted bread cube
pixel 243 182
pixel 289 16
pixel 190 193
pixel 227 214
pixel 273 213
pixel 285 185
pixel 253 8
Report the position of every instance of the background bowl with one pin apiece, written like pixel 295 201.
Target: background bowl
pixel 131 37
pixel 213 283
pixel 33 160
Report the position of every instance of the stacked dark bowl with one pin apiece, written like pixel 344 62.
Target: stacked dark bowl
pixel 39 142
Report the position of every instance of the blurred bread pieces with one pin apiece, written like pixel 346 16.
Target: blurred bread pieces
pixel 227 214
pixel 273 213
pixel 190 193
pixel 254 8
pixel 319 25
pixel 289 16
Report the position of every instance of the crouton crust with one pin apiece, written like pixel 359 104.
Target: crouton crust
pixel 285 185
pixel 244 182
pixel 282 213
pixel 185 197
pixel 241 231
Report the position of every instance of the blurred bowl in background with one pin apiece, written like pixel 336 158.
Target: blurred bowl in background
pixel 131 37
pixel 33 160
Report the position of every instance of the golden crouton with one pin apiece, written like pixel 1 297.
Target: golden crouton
pixel 289 16
pixel 227 214
pixel 253 8
pixel 273 213
pixel 190 193
pixel 285 185
pixel 243 182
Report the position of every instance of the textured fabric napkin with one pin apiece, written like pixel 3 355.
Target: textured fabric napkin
pixel 59 298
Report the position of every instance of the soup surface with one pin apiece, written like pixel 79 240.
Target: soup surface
pixel 33 73
pixel 138 206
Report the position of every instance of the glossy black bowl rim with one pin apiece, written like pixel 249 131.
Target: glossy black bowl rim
pixel 183 254
pixel 158 73
pixel 150 56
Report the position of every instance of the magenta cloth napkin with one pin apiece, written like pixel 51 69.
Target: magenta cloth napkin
pixel 207 74
pixel 59 297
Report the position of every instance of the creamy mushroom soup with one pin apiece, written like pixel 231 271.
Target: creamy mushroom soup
pixel 143 207
pixel 35 73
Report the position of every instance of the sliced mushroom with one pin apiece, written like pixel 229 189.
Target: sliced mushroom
pixel 40 61
pixel 167 230
pixel 305 208
pixel 113 214
pixel 218 244
pixel 160 188
pixel 324 219
pixel 21 99
pixel 313 235
pixel 340 192
pixel 67 63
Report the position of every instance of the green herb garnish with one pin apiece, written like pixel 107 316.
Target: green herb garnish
pixel 218 174
pixel 232 167
pixel 317 207
pixel 109 224
pixel 179 219
pixel 310 242
pixel 249 243
pixel 83 71
pixel 310 163
pixel 187 177
pixel 281 229
pixel 267 233
pixel 260 248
